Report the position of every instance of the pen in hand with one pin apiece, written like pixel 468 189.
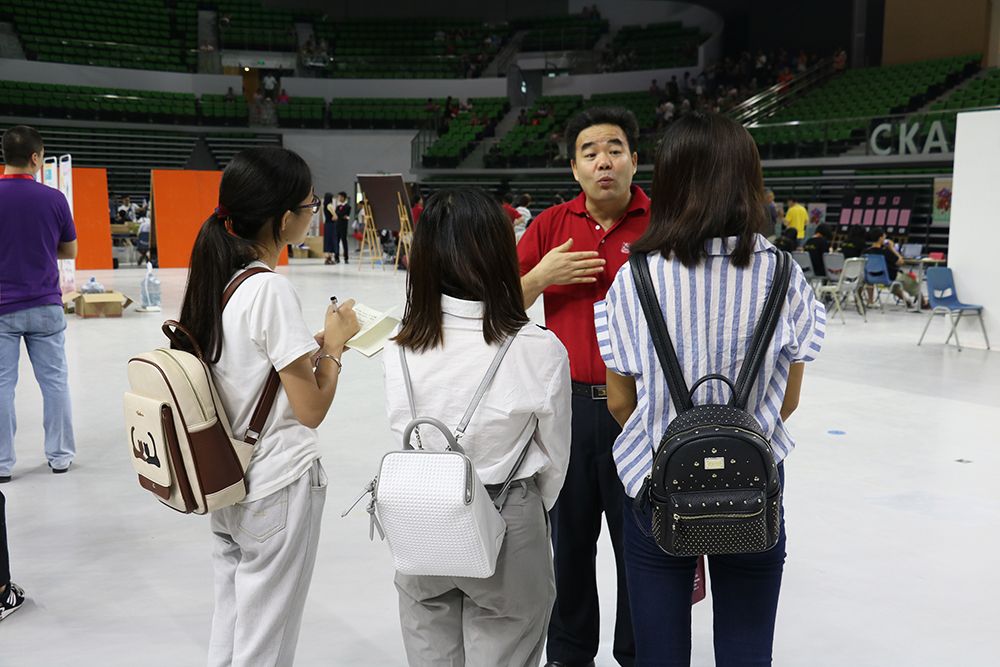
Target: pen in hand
pixel 333 302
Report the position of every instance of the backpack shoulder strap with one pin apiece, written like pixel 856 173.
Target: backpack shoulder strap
pixel 476 398
pixel 273 382
pixel 658 332
pixel 763 332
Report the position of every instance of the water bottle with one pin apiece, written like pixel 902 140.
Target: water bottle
pixel 92 287
pixel 149 291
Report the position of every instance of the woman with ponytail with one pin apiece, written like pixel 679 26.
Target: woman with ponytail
pixel 264 548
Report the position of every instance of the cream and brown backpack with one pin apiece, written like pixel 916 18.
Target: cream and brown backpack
pixel 180 441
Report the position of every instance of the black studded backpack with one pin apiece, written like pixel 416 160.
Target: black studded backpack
pixel 714 486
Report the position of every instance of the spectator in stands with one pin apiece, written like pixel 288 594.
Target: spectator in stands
pixel 230 95
pixel 270 85
pixel 654 90
pixel 796 217
pixel 855 243
pixel 11 595
pixel 673 90
pixel 788 241
pixel 880 245
pixel 329 228
pixel 570 253
pixel 840 60
pixel 431 105
pixel 817 246
pixel 283 97
pixel 36 230
pixel 343 211
pixel 122 217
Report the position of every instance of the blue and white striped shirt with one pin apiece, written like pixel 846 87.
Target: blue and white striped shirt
pixel 711 311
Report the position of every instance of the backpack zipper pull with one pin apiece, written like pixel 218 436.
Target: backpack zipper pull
pixel 373 523
pixel 370 488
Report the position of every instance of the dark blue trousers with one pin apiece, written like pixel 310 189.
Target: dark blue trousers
pixel 592 489
pixel 745 591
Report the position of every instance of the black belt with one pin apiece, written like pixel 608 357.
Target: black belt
pixel 596 392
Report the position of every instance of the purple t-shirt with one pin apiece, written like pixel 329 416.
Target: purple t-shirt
pixel 34 220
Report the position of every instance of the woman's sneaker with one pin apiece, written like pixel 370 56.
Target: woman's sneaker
pixel 11 600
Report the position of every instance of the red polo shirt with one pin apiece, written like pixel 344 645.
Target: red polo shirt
pixel 569 309
pixel 510 211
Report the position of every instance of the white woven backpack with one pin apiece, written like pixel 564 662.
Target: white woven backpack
pixel 431 507
pixel 180 441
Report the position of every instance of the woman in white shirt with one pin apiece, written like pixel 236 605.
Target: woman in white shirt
pixel 264 548
pixel 463 300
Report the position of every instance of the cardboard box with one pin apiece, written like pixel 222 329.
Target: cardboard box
pixel 299 253
pixel 315 244
pixel 105 304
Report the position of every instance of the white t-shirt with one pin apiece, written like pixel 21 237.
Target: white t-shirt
pixel 263 327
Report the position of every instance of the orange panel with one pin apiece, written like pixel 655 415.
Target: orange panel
pixel 182 201
pixel 90 213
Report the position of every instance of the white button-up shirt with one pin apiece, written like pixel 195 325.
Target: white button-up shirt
pixel 533 379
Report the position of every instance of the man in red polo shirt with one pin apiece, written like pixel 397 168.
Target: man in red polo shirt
pixel 571 253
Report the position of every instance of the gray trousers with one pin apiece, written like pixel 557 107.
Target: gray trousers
pixel 502 620
pixel 263 556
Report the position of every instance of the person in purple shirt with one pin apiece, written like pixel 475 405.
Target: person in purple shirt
pixel 36 230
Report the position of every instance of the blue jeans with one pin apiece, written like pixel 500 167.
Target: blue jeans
pixel 42 329
pixel 744 598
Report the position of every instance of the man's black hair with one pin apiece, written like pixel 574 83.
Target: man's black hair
pixel 618 116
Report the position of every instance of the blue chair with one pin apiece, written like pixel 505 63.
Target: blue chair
pixel 944 301
pixel 877 275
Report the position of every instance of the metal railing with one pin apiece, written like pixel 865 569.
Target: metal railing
pixel 767 101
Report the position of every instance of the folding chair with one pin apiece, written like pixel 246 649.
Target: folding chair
pixel 877 275
pixel 833 264
pixel 944 301
pixel 803 259
pixel 849 282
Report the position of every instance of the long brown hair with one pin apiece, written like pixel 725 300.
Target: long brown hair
pixel 707 183
pixel 463 247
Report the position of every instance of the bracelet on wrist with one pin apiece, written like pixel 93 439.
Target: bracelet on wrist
pixel 340 365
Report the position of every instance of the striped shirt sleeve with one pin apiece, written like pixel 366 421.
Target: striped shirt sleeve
pixel 615 329
pixel 808 318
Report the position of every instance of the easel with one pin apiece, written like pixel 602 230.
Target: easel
pixel 369 238
pixel 405 230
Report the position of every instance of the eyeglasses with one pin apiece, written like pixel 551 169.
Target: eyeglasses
pixel 315 205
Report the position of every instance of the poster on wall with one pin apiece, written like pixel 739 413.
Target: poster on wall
pixel 817 216
pixel 942 200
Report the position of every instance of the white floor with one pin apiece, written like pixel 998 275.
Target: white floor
pixel 891 504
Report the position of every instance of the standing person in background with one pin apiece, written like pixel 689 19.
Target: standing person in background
pixel 329 228
pixel 36 230
pixel 796 216
pixel 11 595
pixel 417 210
pixel 343 210
pixel 523 202
pixel 571 253
pixel 270 85
pixel 506 202
pixel 774 230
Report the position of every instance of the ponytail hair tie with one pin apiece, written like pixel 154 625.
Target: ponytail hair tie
pixel 221 211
